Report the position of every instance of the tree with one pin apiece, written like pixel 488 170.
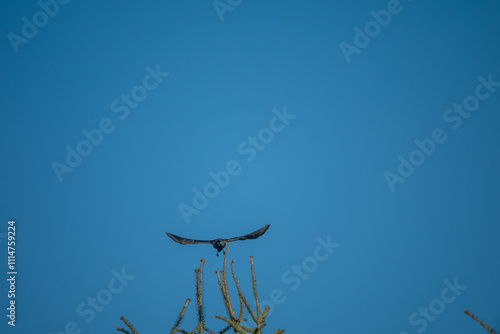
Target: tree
pixel 481 322
pixel 233 321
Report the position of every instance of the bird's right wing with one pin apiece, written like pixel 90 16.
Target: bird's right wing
pixel 253 235
pixel 186 241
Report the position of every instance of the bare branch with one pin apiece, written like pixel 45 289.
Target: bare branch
pixel 481 322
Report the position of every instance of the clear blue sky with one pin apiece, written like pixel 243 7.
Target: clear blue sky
pixel 333 122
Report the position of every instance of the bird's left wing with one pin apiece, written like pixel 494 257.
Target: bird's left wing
pixel 186 241
pixel 253 235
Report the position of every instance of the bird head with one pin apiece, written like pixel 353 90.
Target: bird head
pixel 219 244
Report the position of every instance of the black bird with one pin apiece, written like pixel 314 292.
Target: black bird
pixel 218 244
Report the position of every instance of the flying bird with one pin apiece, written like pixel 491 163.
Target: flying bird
pixel 218 244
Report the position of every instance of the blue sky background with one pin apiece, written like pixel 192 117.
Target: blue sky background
pixel 321 177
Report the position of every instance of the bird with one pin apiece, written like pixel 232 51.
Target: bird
pixel 218 244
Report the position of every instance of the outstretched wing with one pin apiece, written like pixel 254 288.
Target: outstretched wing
pixel 186 241
pixel 253 235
